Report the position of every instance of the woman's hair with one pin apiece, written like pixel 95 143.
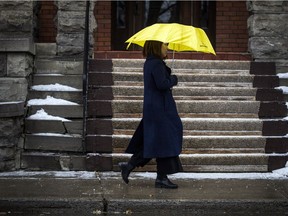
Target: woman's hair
pixel 152 48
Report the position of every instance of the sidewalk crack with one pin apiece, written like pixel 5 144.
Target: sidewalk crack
pixel 104 200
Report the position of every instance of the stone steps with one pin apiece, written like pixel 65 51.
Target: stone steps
pixel 186 84
pixel 72 96
pixel 65 111
pixel 181 90
pixel 219 102
pixel 106 108
pixel 128 76
pixel 217 124
pixel 46 137
pixel 185 64
pixel 74 81
pixel 210 162
pixel 55 66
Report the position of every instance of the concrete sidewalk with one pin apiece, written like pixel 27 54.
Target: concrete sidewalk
pixel 106 194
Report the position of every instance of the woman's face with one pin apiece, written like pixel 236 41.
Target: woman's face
pixel 164 49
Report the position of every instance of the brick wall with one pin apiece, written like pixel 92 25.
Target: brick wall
pixel 47 29
pixel 103 31
pixel 231 26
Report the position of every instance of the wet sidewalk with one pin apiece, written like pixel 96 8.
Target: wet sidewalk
pixel 87 193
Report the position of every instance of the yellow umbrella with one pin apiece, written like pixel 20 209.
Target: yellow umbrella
pixel 180 37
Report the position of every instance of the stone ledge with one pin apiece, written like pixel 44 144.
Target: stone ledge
pixel 11 109
pixel 17 45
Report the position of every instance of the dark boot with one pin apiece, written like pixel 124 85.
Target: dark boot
pixel 162 181
pixel 126 169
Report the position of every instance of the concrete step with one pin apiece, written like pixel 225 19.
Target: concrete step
pixel 232 98
pixel 208 162
pixel 191 144
pixel 53 66
pixel 189 124
pixel 109 108
pixel 53 126
pixel 46 50
pixel 187 64
pixel 178 91
pixel 64 161
pixel 73 96
pixel 187 71
pixel 74 81
pixel 138 77
pixel 183 84
pixel 65 111
pixel 53 142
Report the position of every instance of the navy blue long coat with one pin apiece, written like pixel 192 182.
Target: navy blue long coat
pixel 160 132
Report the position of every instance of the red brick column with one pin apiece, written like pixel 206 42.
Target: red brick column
pixel 47 28
pixel 231 26
pixel 103 32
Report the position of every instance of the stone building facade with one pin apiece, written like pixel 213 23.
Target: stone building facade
pixel 262 33
pixel 19 32
pixel 268 32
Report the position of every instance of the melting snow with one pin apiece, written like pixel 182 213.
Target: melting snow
pixel 50 101
pixel 283 88
pixel 56 134
pixel 282 75
pixel 42 115
pixel 276 174
pixel 53 87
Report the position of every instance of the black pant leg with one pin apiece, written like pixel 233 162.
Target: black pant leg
pixel 169 165
pixel 137 159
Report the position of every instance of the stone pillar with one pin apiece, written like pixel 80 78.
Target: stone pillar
pixel 16 64
pixel 71 25
pixel 268 32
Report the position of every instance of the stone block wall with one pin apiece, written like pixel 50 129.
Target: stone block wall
pixel 268 32
pixel 70 23
pixel 16 64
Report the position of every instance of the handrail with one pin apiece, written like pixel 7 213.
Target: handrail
pixel 85 73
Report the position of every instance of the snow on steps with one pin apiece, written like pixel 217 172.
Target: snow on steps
pixel 54 116
pixel 209 149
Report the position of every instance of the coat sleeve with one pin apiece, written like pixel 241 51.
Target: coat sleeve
pixel 161 77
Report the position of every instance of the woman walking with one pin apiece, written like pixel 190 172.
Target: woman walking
pixel 159 134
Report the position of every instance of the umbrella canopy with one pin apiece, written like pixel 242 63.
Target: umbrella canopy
pixel 180 37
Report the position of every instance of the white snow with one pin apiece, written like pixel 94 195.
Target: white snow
pixel 283 88
pixel 56 135
pixel 12 102
pixel 50 101
pixel 53 87
pixel 282 75
pixel 275 175
pixel 42 115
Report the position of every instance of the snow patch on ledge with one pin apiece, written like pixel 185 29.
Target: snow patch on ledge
pixel 50 101
pixel 42 115
pixel 54 87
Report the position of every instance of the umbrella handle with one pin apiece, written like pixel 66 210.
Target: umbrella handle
pixel 173 61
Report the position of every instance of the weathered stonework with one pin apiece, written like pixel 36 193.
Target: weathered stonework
pixel 13 89
pixel 19 65
pixel 16 64
pixel 70 24
pixel 16 17
pixel 268 32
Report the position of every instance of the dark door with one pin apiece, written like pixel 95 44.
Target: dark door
pixel 128 17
